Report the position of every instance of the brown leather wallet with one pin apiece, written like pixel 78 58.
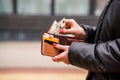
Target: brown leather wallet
pixel 48 40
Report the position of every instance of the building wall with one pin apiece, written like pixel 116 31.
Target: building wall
pixel 18 27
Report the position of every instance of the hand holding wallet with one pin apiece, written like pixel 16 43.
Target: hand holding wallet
pixel 53 36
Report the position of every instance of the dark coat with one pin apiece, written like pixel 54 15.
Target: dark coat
pixel 100 55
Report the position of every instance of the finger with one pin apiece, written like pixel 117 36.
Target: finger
pixel 60 47
pixel 69 20
pixel 66 62
pixel 60 59
pixel 57 58
pixel 68 31
pixel 68 24
pixel 65 31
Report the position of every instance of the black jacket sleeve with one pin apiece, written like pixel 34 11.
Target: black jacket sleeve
pixel 90 32
pixel 103 57
pixel 100 57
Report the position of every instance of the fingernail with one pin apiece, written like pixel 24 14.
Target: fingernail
pixel 61 31
pixel 54 44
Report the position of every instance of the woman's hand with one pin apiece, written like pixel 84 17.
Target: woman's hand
pixel 62 57
pixel 73 28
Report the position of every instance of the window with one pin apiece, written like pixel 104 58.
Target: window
pixel 71 7
pixel 33 7
pixel 51 7
pixel 6 6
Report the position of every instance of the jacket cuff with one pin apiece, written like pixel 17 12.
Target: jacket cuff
pixel 82 55
pixel 90 32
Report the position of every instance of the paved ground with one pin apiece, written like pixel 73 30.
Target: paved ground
pixel 17 56
pixel 42 74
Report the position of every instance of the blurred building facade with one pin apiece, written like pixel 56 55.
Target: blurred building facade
pixel 27 19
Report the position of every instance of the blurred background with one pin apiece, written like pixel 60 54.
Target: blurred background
pixel 21 25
